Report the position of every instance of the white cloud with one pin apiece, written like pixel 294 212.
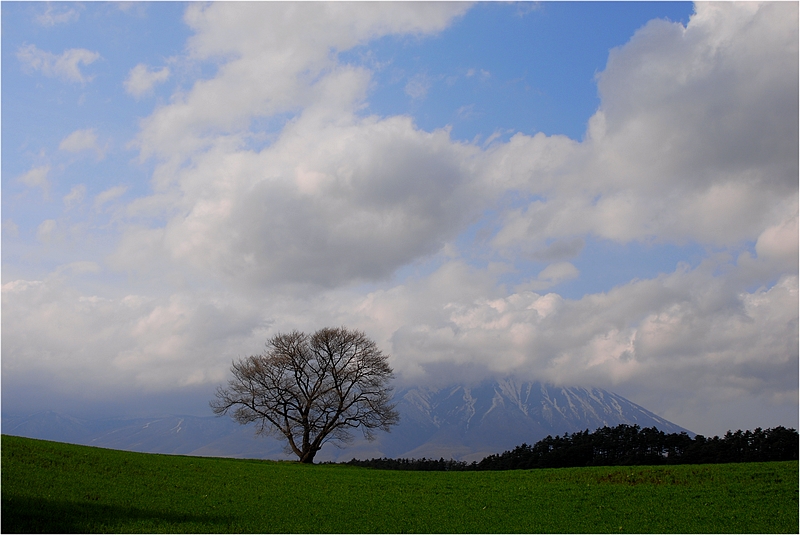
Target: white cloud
pixel 484 74
pixel 466 111
pixel 37 178
pixel 695 139
pixel 81 140
pixel 418 86
pixel 109 195
pixel 367 196
pixel 142 80
pixel 80 267
pixel 52 16
pixel 336 197
pixel 10 228
pixel 140 248
pixel 117 346
pixel 657 338
pixel 273 58
pixel 551 276
pixel 65 66
pixel 45 233
pixel 780 243
pixel 75 196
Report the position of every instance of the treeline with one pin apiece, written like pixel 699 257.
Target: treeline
pixel 621 445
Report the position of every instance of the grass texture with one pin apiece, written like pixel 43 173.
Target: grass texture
pixel 60 488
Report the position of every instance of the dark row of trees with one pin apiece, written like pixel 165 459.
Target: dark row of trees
pixel 622 445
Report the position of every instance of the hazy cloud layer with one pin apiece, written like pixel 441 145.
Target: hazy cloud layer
pixel 134 342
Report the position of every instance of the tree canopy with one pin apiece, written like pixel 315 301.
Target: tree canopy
pixel 312 389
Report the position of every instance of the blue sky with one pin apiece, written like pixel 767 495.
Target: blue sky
pixel 532 66
pixel 598 194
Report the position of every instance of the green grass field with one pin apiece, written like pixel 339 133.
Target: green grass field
pixel 53 487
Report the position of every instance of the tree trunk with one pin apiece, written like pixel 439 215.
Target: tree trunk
pixel 308 456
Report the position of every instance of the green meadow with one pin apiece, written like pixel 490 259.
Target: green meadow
pixel 54 487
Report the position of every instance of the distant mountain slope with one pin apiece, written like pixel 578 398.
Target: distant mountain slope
pixel 465 422
pixel 181 435
pixel 475 421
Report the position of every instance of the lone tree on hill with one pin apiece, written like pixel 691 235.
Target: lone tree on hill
pixel 311 389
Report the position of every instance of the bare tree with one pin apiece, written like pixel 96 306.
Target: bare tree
pixel 312 389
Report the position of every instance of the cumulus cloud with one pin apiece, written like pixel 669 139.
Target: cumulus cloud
pixel 65 66
pixel 656 337
pixel 337 197
pixel 695 139
pixel 273 58
pixel 369 197
pixel 141 80
pixel 779 244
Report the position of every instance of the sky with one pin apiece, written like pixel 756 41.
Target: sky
pixel 587 194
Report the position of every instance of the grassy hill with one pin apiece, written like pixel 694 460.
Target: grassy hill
pixel 54 487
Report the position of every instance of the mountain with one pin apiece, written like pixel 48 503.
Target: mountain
pixel 464 422
pixel 470 422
